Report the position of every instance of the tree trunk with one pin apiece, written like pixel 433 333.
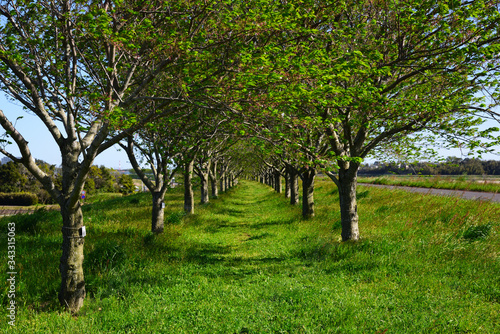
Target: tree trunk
pixel 294 187
pixel 204 188
pixel 188 188
pixel 222 181
pixel 203 171
pixel 277 182
pixel 215 188
pixel 213 180
pixel 308 192
pixel 72 291
pixel 158 217
pixel 287 182
pixel 348 180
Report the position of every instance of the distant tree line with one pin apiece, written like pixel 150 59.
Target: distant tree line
pixel 15 178
pixel 102 179
pixel 451 166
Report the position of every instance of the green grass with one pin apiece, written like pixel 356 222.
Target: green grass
pixel 248 263
pixel 472 183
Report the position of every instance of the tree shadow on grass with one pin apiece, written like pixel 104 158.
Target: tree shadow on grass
pixel 232 212
pixel 273 222
pixel 217 225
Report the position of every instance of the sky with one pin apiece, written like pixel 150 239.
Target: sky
pixel 44 147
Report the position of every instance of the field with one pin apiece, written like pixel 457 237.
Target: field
pixel 472 183
pixel 248 263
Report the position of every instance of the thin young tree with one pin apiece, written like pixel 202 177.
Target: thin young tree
pixel 155 146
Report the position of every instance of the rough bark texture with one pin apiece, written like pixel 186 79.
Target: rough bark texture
pixel 158 216
pixel 72 291
pixel 348 204
pixel 188 188
pixel 294 187
pixel 202 169
pixel 277 184
pixel 223 181
pixel 204 188
pixel 287 183
pixel 215 188
pixel 308 192
pixel 213 180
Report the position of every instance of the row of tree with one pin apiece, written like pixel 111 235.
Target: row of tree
pixel 451 166
pixel 237 87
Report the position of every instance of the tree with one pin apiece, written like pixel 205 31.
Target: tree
pixel 79 67
pixel 376 74
pixel 156 146
pixel 126 184
pixel 197 149
pixel 11 179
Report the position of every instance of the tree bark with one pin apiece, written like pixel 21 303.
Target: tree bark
pixel 347 183
pixel 277 182
pixel 213 180
pixel 157 188
pixel 204 188
pixel 287 182
pixel 294 186
pixel 72 291
pixel 203 171
pixel 188 188
pixel 308 192
pixel 223 179
pixel 158 214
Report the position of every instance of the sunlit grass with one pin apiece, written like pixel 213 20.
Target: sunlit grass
pixel 248 263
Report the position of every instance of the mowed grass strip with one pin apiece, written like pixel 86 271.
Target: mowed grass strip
pixel 248 263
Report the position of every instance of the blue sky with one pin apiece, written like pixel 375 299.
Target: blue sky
pixel 42 145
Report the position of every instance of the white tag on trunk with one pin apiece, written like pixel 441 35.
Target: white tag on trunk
pixel 83 232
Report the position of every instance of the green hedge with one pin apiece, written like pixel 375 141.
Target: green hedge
pixel 18 199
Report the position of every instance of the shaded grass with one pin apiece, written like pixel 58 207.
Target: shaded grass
pixel 248 263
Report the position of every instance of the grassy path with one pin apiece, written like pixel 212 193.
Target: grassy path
pixel 248 263
pixel 252 227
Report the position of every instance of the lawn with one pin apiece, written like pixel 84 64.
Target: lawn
pixel 248 263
